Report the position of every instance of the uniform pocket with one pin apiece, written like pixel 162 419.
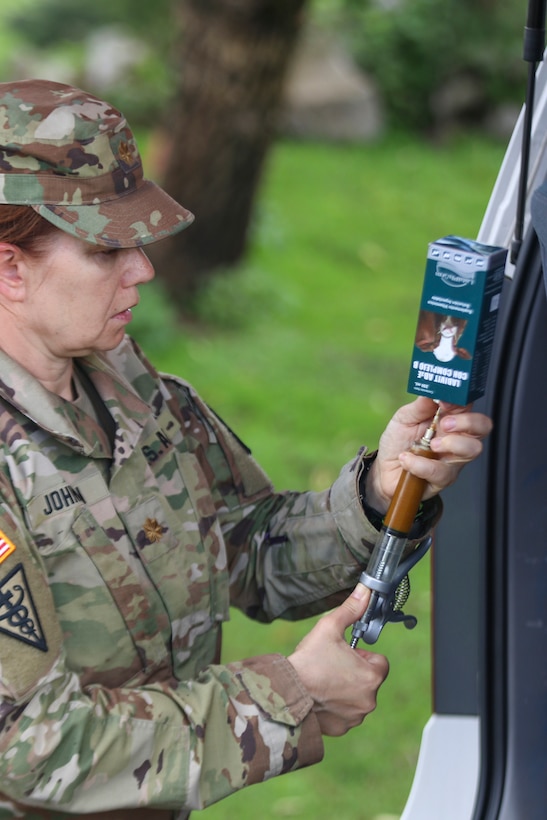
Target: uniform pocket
pixel 95 594
pixel 179 552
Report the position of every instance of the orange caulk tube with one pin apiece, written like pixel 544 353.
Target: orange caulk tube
pixel 392 538
pixel 408 493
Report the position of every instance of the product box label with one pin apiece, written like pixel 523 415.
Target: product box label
pixel 457 319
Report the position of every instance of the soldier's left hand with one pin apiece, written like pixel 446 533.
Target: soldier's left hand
pixel 458 441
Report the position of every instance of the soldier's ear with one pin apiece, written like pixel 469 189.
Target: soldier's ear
pixel 12 283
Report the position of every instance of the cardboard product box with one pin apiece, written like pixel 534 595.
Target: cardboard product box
pixel 457 319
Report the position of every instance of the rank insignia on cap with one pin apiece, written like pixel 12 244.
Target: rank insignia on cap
pixel 18 616
pixel 6 547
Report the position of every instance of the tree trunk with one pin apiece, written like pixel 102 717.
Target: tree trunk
pixel 235 55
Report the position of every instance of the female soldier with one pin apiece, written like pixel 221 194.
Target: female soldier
pixel 131 517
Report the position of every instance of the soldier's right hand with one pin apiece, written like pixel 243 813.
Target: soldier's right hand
pixel 343 682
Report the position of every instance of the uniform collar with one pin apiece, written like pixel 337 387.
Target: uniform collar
pixel 67 422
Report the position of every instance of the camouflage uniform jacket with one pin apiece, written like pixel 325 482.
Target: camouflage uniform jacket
pixel 119 562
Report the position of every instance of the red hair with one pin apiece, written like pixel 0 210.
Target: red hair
pixel 20 225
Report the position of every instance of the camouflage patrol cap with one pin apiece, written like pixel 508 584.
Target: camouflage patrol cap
pixel 73 158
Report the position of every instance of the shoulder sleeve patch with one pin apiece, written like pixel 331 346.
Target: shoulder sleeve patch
pixel 31 641
pixel 18 615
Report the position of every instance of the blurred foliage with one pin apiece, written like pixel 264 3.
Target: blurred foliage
pixel 415 48
pixel 64 28
pixel 53 21
pixel 232 301
pixel 412 49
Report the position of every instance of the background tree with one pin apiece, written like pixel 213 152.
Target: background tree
pixel 233 63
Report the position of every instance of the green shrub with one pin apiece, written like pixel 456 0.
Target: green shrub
pixel 412 48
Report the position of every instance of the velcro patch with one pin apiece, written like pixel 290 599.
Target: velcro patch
pixel 6 547
pixel 18 616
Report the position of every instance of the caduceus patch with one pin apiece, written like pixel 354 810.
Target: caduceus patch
pixel 18 616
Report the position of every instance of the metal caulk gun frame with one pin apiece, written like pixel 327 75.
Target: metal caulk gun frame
pixel 386 573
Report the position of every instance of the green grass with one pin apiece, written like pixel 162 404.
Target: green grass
pixel 306 353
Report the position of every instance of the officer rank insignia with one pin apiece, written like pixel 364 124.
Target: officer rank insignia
pixel 18 615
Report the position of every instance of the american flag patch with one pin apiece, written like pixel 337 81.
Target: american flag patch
pixel 6 547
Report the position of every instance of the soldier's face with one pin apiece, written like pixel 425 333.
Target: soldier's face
pixel 79 296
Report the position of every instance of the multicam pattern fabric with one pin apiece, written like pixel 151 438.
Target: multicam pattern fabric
pixel 74 158
pixel 128 554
